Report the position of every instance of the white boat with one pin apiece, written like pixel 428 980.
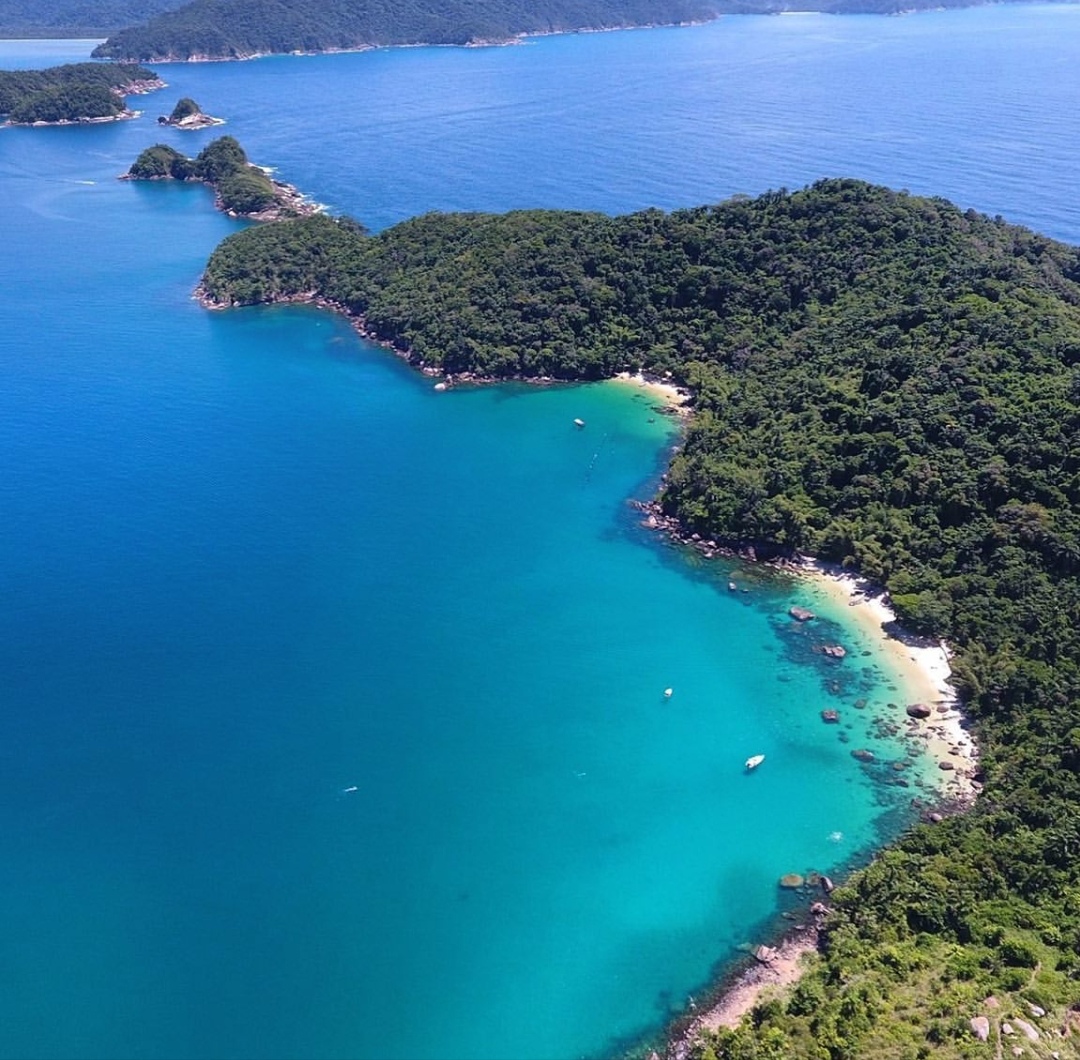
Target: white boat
pixel 579 423
pixel 754 761
pixel 668 692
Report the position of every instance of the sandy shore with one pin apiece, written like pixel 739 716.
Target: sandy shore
pixel 672 396
pixel 757 983
pixel 924 666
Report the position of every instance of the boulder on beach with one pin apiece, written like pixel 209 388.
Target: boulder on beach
pixel 918 710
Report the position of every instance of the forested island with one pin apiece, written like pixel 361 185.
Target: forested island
pixel 239 29
pixel 240 188
pixel 76 18
pixel 75 92
pixel 877 379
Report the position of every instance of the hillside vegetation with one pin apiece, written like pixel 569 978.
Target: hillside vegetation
pixel 76 18
pixel 240 187
pixel 881 380
pixel 236 29
pixel 74 92
pixel 239 28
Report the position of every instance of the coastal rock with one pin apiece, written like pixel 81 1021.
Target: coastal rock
pixel 791 881
pixel 918 710
pixel 834 651
pixel 801 614
pixel 1027 1030
pixel 830 716
pixel 764 954
pixel 980 1027
pixel 863 755
pixel 827 885
pixel 819 909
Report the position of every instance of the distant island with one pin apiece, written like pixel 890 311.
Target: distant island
pixel 240 29
pixel 241 188
pixel 54 19
pixel 880 380
pixel 243 29
pixel 74 93
pixel 187 114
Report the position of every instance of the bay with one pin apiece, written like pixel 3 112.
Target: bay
pixel 251 563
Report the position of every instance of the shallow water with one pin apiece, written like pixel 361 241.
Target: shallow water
pixel 252 563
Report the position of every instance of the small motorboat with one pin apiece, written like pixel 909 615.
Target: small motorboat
pixel 668 693
pixel 579 424
pixel 754 761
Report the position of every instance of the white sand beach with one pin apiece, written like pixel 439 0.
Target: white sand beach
pixel 672 396
pixel 924 664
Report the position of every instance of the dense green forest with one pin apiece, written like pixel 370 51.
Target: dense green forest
pixel 240 187
pixel 231 29
pixel 76 18
pixel 239 28
pixel 878 379
pixel 69 93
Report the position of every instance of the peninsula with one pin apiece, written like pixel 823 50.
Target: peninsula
pixel 240 188
pixel 74 93
pixel 879 380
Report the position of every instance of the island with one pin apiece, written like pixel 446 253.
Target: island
pixel 244 29
pixel 73 93
pixel 241 189
pixel 62 19
pixel 187 114
pixel 880 380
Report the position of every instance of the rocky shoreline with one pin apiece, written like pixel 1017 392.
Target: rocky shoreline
pixel 777 963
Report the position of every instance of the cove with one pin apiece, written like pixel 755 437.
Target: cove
pixel 253 563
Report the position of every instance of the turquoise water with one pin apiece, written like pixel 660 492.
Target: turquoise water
pixel 251 563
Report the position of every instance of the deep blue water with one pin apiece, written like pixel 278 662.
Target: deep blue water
pixel 250 562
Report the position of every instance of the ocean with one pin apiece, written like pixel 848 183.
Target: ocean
pixel 332 714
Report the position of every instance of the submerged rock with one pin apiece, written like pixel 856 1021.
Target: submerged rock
pixel 801 614
pixel 791 881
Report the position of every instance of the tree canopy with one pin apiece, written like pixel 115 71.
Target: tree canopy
pixel 238 28
pixel 879 379
pixel 241 188
pixel 76 18
pixel 232 29
pixel 69 93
